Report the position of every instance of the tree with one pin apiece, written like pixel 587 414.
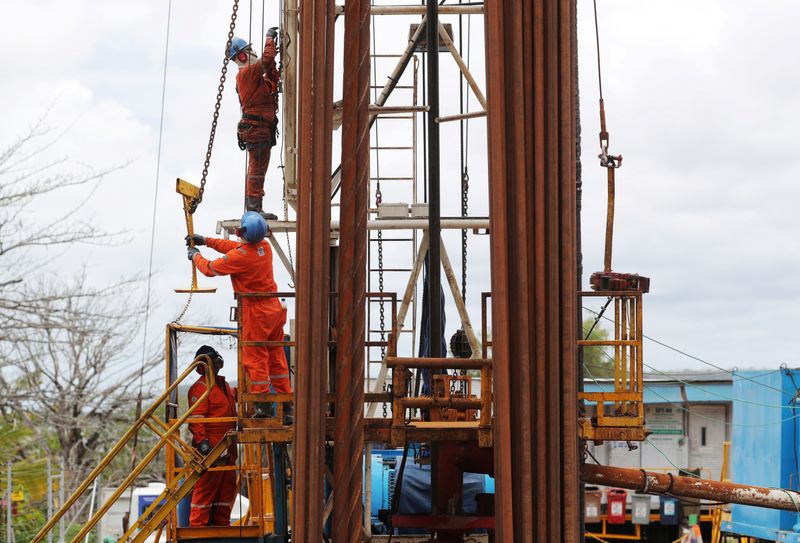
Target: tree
pixel 70 365
pixel 598 362
pixel 25 179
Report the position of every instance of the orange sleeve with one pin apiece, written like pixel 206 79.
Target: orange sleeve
pixel 269 52
pixel 234 261
pixel 221 245
pixel 198 430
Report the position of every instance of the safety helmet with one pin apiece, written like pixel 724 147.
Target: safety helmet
pixel 252 228
pixel 216 359
pixel 237 45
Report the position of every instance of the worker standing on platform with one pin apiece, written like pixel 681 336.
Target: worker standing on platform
pixel 250 266
pixel 257 86
pixel 214 492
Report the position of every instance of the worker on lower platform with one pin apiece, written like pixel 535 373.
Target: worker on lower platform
pixel 250 266
pixel 257 86
pixel 215 491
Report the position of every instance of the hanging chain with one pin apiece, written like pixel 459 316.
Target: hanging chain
pixel 381 305
pixel 464 209
pixel 177 320
pixel 386 388
pixel 217 104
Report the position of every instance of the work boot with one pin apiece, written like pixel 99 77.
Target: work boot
pixel 288 414
pixel 254 203
pixel 264 410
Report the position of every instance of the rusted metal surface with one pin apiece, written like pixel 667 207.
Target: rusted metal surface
pixel 349 369
pixel 530 60
pixel 313 237
pixel 690 487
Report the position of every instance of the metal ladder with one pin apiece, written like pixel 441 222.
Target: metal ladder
pixel 195 464
pixel 400 187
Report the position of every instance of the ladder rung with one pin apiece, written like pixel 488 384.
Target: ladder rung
pixel 390 269
pixel 392 178
pixel 391 239
pixel 389 148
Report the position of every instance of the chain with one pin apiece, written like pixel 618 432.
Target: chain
pixel 177 320
pixel 288 241
pixel 464 209
pixel 381 306
pixel 386 388
pixel 218 103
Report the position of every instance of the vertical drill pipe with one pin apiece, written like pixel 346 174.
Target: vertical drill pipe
pixel 531 146
pixel 609 220
pixel 352 281
pixel 434 204
pixel 315 109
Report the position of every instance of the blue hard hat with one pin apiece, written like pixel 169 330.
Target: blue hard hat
pixel 253 227
pixel 237 45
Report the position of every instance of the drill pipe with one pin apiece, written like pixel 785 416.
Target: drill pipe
pixel 691 487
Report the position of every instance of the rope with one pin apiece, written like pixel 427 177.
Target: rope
pixel 155 198
pixel 675 349
pixel 597 41
pixel 152 244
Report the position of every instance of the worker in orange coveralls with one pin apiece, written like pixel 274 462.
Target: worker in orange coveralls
pixel 214 492
pixel 257 86
pixel 250 266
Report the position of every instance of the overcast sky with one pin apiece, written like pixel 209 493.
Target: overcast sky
pixel 701 100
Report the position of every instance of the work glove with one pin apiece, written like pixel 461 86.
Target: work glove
pixel 204 447
pixel 191 251
pixel 272 32
pixel 197 238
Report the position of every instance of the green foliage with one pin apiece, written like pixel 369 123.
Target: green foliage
pixel 598 361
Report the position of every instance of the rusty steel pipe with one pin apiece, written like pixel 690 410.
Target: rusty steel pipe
pixel 609 221
pixel 690 487
pixel 348 433
pixel 439 363
pixel 427 402
pixel 531 106
pixel 315 118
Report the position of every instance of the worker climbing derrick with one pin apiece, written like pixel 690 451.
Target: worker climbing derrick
pixel 214 492
pixel 249 265
pixel 257 86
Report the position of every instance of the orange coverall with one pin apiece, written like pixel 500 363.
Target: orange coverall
pixel 250 268
pixel 257 86
pixel 215 491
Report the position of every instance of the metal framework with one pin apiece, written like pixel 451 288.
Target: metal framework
pixel 619 414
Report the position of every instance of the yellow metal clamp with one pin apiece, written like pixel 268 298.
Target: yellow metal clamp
pixel 190 193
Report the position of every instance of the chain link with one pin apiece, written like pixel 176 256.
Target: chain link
pixel 177 320
pixel 464 209
pixel 381 306
pixel 385 410
pixel 223 76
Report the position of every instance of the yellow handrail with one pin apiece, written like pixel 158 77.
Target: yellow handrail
pixel 191 457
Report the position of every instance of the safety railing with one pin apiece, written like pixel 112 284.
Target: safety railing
pixel 443 398
pixel 619 414
pixel 259 466
pixel 195 463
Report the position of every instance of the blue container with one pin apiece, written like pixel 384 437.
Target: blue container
pixel 764 451
pixel 670 510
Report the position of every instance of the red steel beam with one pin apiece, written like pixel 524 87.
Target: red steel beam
pixel 530 59
pixel 315 117
pixel 691 487
pixel 352 286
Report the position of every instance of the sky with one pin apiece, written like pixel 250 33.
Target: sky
pixel 700 98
